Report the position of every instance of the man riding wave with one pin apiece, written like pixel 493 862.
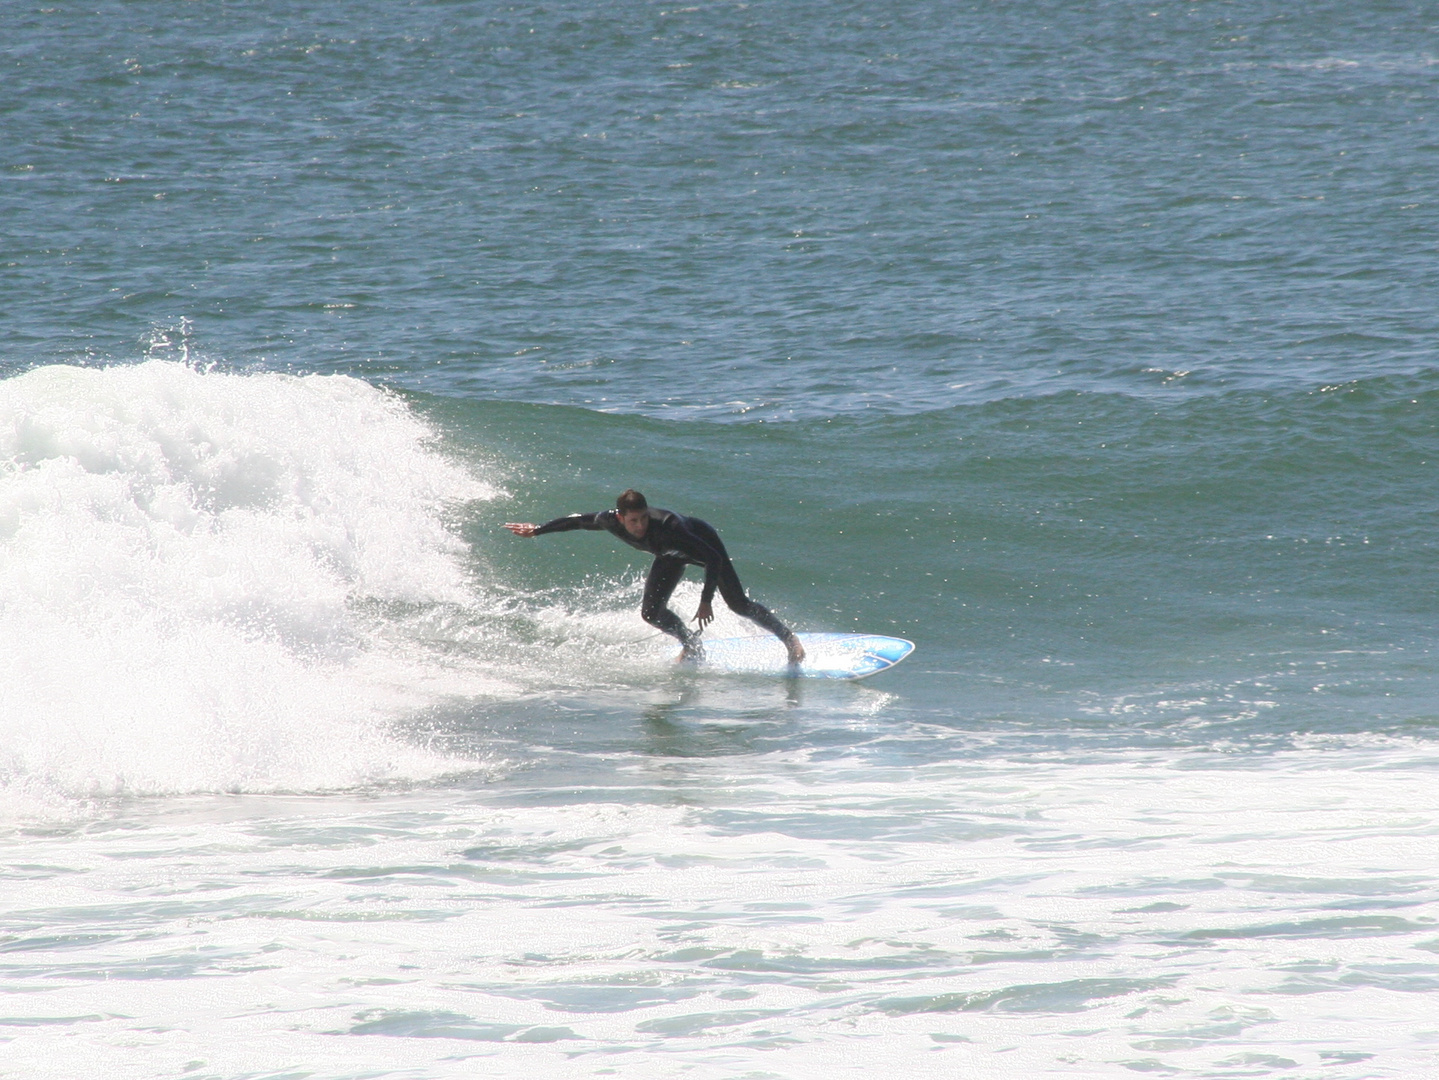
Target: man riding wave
pixel 675 541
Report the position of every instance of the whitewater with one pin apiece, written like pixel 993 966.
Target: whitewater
pixel 184 558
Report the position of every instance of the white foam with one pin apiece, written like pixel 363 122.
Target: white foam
pixel 186 560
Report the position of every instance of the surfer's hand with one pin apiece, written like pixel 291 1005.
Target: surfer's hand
pixel 521 528
pixel 705 615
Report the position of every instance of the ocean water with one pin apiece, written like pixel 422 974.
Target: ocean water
pixel 1090 346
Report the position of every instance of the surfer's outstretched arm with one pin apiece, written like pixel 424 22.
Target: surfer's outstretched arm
pixel 559 524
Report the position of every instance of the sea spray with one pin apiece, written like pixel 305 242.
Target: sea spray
pixel 182 553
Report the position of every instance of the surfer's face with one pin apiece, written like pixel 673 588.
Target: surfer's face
pixel 636 522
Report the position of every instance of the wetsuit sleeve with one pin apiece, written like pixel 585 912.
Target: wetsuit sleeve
pixel 706 553
pixel 712 572
pixel 572 521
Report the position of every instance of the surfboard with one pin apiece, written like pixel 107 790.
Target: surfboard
pixel 827 656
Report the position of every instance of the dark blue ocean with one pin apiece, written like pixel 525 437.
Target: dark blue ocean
pixel 1093 347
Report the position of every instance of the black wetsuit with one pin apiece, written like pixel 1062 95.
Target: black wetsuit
pixel 677 541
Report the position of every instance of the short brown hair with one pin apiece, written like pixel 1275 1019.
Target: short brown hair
pixel 630 500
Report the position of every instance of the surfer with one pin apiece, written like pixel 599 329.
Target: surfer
pixel 675 541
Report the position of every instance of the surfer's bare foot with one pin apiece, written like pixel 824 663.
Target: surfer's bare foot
pixel 796 651
pixel 691 654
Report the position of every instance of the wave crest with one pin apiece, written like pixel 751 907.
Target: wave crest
pixel 181 557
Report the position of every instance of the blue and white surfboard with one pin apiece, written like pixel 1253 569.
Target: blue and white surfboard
pixel 827 656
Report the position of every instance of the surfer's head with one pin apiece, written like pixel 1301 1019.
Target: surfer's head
pixel 634 513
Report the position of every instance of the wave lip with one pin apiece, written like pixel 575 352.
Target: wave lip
pixel 181 556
